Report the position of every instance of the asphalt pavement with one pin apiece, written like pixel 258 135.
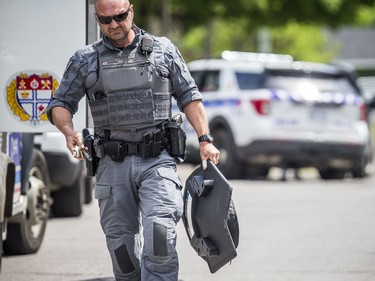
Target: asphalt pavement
pixel 294 230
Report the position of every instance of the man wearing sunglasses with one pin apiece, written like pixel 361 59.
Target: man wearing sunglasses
pixel 129 78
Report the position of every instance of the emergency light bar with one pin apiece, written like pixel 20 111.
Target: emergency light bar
pixel 249 56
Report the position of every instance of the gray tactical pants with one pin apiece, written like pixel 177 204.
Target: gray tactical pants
pixel 140 195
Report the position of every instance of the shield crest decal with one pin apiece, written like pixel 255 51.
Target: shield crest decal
pixel 29 95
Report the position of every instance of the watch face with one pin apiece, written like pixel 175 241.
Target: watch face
pixel 206 137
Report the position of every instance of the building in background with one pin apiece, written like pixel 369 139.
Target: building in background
pixel 356 46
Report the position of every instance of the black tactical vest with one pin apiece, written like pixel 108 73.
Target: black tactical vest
pixel 128 92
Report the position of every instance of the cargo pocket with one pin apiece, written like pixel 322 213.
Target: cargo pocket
pixel 102 191
pixel 171 175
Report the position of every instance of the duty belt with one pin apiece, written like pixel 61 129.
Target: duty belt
pixel 152 145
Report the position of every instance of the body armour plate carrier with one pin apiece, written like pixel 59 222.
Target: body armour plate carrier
pixel 128 91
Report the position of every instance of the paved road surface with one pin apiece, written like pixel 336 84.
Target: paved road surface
pixel 308 230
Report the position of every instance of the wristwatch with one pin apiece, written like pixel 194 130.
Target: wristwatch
pixel 206 137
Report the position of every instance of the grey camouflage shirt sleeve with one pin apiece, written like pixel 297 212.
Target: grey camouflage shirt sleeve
pixel 71 89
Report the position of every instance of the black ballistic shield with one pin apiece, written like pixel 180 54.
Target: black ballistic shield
pixel 210 218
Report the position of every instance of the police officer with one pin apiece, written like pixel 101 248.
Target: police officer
pixel 129 78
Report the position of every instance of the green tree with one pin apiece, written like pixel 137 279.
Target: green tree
pixel 271 12
pixel 303 42
pixel 205 28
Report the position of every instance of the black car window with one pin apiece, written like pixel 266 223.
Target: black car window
pixel 249 80
pixel 206 80
pixel 198 77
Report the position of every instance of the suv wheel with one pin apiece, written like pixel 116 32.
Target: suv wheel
pixel 68 201
pixel 26 236
pixel 256 173
pixel 332 174
pixel 359 169
pixel 228 163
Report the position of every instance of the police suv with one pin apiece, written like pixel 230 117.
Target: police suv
pixel 267 110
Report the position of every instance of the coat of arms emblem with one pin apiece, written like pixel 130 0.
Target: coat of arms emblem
pixel 29 95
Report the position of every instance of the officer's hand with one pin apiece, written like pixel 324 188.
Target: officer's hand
pixel 209 152
pixel 75 145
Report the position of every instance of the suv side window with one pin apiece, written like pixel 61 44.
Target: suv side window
pixel 249 80
pixel 207 81
pixel 321 83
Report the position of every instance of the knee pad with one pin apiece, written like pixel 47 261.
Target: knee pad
pixel 160 240
pixel 159 252
pixel 123 260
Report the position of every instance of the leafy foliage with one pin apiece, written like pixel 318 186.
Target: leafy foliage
pixel 310 44
pixel 206 28
pixel 271 12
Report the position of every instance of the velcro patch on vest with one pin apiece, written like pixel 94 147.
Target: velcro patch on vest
pixel 113 62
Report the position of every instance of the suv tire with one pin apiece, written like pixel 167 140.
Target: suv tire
pixel 68 201
pixel 332 174
pixel 22 237
pixel 228 164
pixel 359 169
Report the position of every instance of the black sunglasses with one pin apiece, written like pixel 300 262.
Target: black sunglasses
pixel 117 18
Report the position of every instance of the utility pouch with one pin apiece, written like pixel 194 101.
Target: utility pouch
pixel 115 150
pixel 176 137
pixel 151 145
pixel 93 163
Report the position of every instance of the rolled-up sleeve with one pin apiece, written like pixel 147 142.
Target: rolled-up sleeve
pixel 72 87
pixel 183 85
